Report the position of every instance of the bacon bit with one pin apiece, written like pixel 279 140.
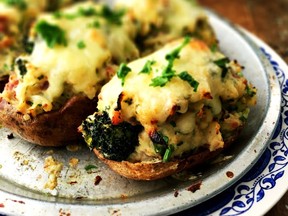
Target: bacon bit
pixel 73 182
pixel 124 196
pixel 174 109
pixel 234 124
pixel 117 118
pixel 229 174
pixel 200 114
pixel 217 128
pixel 44 85
pixel 207 95
pixel 10 136
pixel 176 193
pixel 2 205
pixel 98 179
pixel 6 42
pixel 199 45
pixel 154 121
pixel 110 71
pixel 193 188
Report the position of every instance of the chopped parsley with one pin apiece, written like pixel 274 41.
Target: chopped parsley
pixel 162 146
pixel 81 45
pixel 52 34
pixel 168 153
pixel 112 16
pixel 168 73
pixel 187 77
pixel 89 167
pixel 122 72
pixel 251 92
pixel 147 67
pixel 222 64
pixel 94 24
pixel 214 47
pixel 21 4
pixel 21 66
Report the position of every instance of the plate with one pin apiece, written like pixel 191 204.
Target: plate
pixel 83 191
pixel 264 185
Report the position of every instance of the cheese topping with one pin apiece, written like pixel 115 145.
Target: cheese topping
pixel 15 18
pixel 71 48
pixel 181 109
pixel 166 20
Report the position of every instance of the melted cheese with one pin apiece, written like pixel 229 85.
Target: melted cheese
pixel 192 112
pixel 175 15
pixel 83 69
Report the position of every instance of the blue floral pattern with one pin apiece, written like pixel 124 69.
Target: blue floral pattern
pixel 263 176
pixel 275 159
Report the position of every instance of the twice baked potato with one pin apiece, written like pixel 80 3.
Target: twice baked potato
pixel 74 51
pixel 54 88
pixel 169 111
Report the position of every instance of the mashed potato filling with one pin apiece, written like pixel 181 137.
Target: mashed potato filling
pixel 181 95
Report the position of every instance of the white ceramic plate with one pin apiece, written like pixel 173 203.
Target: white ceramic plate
pixel 22 177
pixel 266 182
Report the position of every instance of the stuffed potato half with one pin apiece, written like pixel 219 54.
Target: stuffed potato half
pixel 51 90
pixel 74 51
pixel 169 111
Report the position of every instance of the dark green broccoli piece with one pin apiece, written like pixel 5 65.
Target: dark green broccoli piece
pixel 115 142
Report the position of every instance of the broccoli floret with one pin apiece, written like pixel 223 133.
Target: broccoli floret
pixel 115 142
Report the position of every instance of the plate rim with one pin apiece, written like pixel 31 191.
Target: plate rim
pixel 174 210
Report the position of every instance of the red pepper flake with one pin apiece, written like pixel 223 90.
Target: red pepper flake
pixel 176 193
pixel 2 205
pixel 10 136
pixel 229 174
pixel 98 179
pixel 73 182
pixel 193 188
pixel 18 201
pixel 124 196
pixel 63 213
pixel 154 121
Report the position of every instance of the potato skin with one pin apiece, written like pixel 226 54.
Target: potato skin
pixel 157 170
pixel 54 128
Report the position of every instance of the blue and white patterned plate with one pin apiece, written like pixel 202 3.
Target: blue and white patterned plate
pixel 258 182
pixel 264 185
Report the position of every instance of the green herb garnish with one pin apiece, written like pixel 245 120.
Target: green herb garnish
pixel 89 167
pixel 81 45
pixel 147 67
pixel 52 34
pixel 112 16
pixel 168 72
pixel 251 92
pixel 94 24
pixel 187 77
pixel 168 153
pixel 222 64
pixel 21 66
pixel 21 4
pixel 122 72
